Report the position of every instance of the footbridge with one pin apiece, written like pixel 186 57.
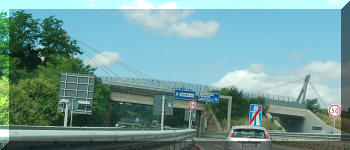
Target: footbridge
pixel 291 112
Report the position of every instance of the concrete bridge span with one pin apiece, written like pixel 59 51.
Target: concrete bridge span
pixel 300 120
pixel 293 116
pixel 144 96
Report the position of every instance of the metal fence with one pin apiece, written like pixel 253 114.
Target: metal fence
pixel 171 86
pixel 151 84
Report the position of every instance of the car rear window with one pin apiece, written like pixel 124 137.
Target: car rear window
pixel 249 133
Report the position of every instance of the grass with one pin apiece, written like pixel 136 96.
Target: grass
pixel 329 120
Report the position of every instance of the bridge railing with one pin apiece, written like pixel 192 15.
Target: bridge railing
pixel 170 86
pixel 151 84
pixel 277 99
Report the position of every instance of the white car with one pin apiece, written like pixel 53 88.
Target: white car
pixel 248 138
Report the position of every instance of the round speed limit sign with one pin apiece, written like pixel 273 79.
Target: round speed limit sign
pixel 334 111
pixel 192 105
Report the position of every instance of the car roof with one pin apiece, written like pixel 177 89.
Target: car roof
pixel 248 127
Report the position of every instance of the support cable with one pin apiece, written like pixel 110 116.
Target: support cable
pixel 270 88
pixel 99 64
pixel 318 95
pixel 123 65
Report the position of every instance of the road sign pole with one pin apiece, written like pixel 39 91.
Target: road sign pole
pixel 189 120
pixel 162 119
pixel 334 111
pixel 229 113
pixel 71 115
pixel 65 115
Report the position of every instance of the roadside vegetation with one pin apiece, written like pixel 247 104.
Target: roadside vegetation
pixel 240 109
pixel 33 52
pixel 4 69
pixel 314 106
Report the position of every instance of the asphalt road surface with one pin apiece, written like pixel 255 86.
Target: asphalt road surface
pixel 218 144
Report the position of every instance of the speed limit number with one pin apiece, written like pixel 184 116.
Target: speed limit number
pixel 334 111
pixel 192 105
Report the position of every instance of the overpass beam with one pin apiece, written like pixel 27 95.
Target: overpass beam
pixel 229 107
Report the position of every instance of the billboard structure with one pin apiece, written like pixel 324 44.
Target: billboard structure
pixel 168 105
pixel 76 93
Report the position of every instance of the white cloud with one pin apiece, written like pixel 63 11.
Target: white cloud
pixel 140 4
pixel 195 29
pixel 323 74
pixel 256 68
pixel 102 59
pixel 169 21
pixel 170 5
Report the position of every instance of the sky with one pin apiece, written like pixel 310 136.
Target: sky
pixel 192 4
pixel 240 45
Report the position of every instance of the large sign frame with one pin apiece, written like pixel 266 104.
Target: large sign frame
pixel 77 91
pixel 168 105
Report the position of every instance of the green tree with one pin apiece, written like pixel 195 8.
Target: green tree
pixel 42 88
pixel 24 33
pixel 4 41
pixel 33 102
pixel 4 101
pixel 39 52
pixel 34 42
pixel 240 104
pixel 313 105
pixel 54 40
pixel 4 69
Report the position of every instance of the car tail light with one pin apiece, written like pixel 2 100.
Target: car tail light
pixel 267 135
pixel 231 134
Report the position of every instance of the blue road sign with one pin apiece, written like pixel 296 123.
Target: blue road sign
pixel 186 95
pixel 209 98
pixel 255 115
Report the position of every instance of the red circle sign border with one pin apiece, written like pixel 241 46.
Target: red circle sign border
pixel 329 109
pixel 189 105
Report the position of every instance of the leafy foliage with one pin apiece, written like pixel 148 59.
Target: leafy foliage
pixel 32 102
pixel 240 104
pixel 313 105
pixel 4 101
pixel 4 69
pixel 4 41
pixel 39 51
pixel 33 43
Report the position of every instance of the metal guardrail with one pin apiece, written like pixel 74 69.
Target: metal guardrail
pixel 23 127
pixel 285 136
pixel 288 136
pixel 90 135
pixel 74 134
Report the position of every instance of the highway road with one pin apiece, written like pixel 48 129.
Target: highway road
pixel 218 144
